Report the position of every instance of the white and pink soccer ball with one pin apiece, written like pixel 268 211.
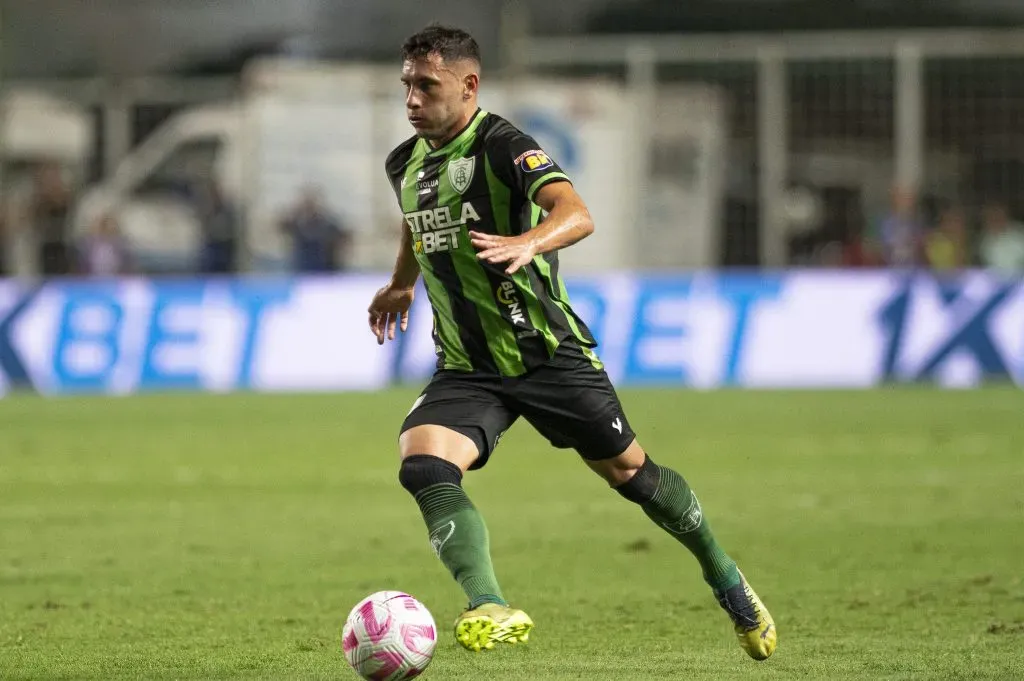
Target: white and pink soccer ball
pixel 389 636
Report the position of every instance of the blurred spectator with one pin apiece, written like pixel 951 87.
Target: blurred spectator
pixel 104 252
pixel 49 213
pixel 4 239
pixel 946 245
pixel 899 236
pixel 1002 240
pixel 319 241
pixel 856 252
pixel 218 221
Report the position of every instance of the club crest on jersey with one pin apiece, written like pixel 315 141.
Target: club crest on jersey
pixel 534 160
pixel 460 173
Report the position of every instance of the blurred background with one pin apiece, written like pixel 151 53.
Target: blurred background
pixel 714 140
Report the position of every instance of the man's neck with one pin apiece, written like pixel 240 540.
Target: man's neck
pixel 454 131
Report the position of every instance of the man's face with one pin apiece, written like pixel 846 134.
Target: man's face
pixel 437 94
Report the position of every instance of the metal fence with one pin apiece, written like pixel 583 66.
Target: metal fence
pixel 824 126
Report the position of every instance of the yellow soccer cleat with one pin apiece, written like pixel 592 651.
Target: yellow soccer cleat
pixel 754 625
pixel 480 628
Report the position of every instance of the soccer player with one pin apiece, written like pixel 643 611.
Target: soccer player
pixel 485 212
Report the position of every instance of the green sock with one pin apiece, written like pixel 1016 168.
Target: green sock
pixel 675 508
pixel 459 537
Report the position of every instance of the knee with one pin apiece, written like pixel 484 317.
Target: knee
pixel 619 474
pixel 420 471
pixel 620 469
pixel 642 484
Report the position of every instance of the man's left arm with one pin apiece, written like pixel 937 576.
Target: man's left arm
pixel 567 222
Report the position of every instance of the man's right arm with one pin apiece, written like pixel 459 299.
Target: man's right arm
pixel 407 269
pixel 390 305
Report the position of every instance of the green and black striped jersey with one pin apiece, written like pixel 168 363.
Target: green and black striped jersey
pixel 484 180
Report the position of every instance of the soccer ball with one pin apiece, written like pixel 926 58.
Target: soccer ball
pixel 389 636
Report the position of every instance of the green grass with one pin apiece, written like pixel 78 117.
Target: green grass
pixel 227 538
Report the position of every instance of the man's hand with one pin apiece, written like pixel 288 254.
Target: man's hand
pixel 390 306
pixel 518 251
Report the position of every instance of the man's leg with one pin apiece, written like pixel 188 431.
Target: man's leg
pixel 667 499
pixel 572 402
pixel 434 459
pixel 457 530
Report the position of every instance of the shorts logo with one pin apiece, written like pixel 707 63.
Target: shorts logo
pixel 460 173
pixel 418 402
pixel 534 160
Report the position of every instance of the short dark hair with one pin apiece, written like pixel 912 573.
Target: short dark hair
pixel 452 44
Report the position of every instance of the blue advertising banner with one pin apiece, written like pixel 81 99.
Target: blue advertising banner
pixel 770 330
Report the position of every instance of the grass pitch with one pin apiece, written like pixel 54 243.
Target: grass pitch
pixel 226 537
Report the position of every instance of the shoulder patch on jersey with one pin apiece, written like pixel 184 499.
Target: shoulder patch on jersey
pixel 533 160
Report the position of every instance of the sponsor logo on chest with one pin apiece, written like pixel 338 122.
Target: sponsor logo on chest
pixel 425 186
pixel 437 230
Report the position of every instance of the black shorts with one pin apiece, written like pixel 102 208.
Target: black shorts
pixel 568 400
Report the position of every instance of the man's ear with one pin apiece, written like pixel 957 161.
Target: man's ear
pixel 470 85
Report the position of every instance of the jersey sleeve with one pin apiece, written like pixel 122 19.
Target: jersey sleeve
pixel 394 166
pixel 521 163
